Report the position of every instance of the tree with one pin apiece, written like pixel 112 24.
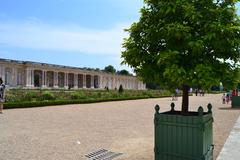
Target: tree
pixel 182 43
pixel 124 72
pixel 151 85
pixel 110 69
pixel 120 89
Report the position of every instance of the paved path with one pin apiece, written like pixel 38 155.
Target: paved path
pixel 231 149
pixel 72 131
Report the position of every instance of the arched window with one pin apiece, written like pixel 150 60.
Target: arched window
pixel 96 81
pixel 80 81
pixel 37 78
pixel 88 81
pixel 70 80
pixel 50 78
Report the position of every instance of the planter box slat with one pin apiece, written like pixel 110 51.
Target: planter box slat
pixel 180 137
pixel 236 102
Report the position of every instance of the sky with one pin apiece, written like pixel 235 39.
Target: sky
pixel 80 33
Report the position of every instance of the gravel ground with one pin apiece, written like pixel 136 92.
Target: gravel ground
pixel 72 131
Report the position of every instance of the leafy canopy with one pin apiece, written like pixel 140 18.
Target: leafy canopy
pixel 110 69
pixel 185 42
pixel 123 72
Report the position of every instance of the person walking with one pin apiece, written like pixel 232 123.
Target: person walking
pixel 223 99
pixel 2 88
pixel 196 92
pixel 227 98
pixel 176 94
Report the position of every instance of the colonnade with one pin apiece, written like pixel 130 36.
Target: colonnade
pixel 37 75
pixel 60 79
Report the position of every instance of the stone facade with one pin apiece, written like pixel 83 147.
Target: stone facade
pixel 27 74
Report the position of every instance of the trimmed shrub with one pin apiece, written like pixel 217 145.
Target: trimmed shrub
pixel 30 96
pixel 47 96
pixel 77 95
pixel 11 98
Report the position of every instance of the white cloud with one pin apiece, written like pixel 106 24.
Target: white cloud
pixel 63 38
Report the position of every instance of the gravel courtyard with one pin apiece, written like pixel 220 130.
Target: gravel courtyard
pixel 72 131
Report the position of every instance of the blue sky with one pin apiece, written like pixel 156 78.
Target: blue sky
pixel 83 33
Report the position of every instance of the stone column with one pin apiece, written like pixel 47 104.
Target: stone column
pixel 107 79
pixel 13 77
pixel 144 86
pixel 29 78
pixel 129 83
pixel 136 84
pixel 66 80
pixel 92 81
pixel 55 77
pixel 104 82
pixel 32 77
pixel 84 80
pixel 113 83
pixel 99 82
pixel 117 83
pixel 23 78
pixel 46 82
pixel 125 83
pixel 75 81
pixel 44 77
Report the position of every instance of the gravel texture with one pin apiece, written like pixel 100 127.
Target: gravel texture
pixel 72 131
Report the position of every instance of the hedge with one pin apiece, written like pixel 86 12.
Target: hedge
pixel 12 105
pixel 48 101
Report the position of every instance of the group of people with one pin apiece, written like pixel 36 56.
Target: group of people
pixel 226 98
pixel 199 92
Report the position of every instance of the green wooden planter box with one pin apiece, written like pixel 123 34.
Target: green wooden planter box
pixel 236 102
pixel 179 137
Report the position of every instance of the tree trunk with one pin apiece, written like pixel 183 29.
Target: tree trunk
pixel 185 99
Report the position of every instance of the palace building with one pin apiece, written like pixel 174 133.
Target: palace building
pixel 26 74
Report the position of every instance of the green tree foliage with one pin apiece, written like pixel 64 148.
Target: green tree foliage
pixel 110 69
pixel 182 43
pixel 123 72
pixel 151 85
